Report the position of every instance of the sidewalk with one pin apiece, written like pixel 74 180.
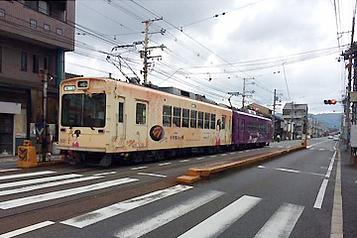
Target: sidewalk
pixel 349 195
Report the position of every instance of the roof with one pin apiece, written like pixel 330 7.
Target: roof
pixel 296 106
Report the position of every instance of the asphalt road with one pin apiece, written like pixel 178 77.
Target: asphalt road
pixel 290 196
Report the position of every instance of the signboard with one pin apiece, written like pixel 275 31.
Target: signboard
pixel 82 84
pixel 354 136
pixel 354 96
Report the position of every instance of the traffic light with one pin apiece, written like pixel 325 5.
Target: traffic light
pixel 330 101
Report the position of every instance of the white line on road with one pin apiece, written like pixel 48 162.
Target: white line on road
pixel 288 170
pixel 105 173
pixel 330 167
pixel 282 222
pixel 240 152
pixel 184 160
pixel 153 175
pixel 321 194
pixel 164 217
pixel 8 170
pixel 232 153
pixel 38 180
pixel 14 176
pixel 139 168
pixel 124 206
pixel 220 221
pixel 200 158
pixel 337 213
pixel 322 149
pixel 213 156
pixel 63 193
pixel 26 229
pixel 261 167
pixel 309 146
pixel 223 155
pixel 46 185
pixel 164 164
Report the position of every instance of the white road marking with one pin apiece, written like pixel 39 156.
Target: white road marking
pixel 240 152
pixel 282 222
pixel 63 193
pixel 220 221
pixel 223 155
pixel 337 214
pixel 153 175
pixel 232 153
pixel 26 229
pixel 261 167
pixel 280 146
pixel 201 158
pixel 321 149
pixel 38 180
pixel 309 146
pixel 105 173
pixel 164 164
pixel 22 175
pixel 321 194
pixel 213 156
pixel 46 185
pixel 330 167
pixel 166 216
pixel 8 170
pixel 288 170
pixel 124 206
pixel 184 160
pixel 139 168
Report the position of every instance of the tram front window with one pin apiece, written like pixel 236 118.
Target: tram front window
pixel 82 110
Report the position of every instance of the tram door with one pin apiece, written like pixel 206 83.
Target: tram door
pixel 122 121
pixel 141 124
pixel 223 131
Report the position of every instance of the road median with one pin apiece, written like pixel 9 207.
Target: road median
pixel 196 174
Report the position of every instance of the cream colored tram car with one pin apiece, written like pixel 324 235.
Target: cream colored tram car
pixel 114 117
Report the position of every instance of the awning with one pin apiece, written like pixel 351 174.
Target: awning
pixel 10 107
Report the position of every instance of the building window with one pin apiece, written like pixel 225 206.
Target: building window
pixel 46 27
pixel 185 117
pixel 32 4
pixel 2 12
pixel 121 112
pixel 140 113
pixel 177 117
pixel 35 64
pixel 166 115
pixel 23 61
pixel 200 120
pixel 223 126
pixel 213 121
pixel 45 63
pixel 43 7
pixel 33 23
pixel 193 121
pixel 59 31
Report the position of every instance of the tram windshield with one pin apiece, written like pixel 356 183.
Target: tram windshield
pixel 83 110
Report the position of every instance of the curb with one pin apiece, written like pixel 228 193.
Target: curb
pixel 194 175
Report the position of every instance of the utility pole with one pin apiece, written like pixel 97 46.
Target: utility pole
pixel 275 99
pixel 146 51
pixel 245 92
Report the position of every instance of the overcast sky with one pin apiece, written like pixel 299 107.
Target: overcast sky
pixel 212 55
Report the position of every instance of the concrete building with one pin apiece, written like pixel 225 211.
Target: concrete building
pixel 260 109
pixel 34 35
pixel 294 116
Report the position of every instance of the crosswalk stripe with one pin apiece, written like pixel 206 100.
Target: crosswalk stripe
pixel 153 175
pixel 124 206
pixel 220 221
pixel 8 170
pixel 164 164
pixel 63 193
pixel 105 173
pixel 22 175
pixel 167 216
pixel 283 221
pixel 26 229
pixel 46 185
pixel 38 180
pixel 139 168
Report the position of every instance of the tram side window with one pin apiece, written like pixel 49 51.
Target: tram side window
pixel 223 122
pixel 213 121
pixel 140 113
pixel 200 120
pixel 121 112
pixel 185 117
pixel 207 116
pixel 166 115
pixel 177 117
pixel 193 121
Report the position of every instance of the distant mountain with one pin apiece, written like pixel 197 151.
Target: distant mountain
pixel 330 120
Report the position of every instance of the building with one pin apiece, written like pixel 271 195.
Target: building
pixel 260 109
pixel 34 35
pixel 295 115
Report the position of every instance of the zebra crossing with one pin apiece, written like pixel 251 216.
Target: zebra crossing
pixel 280 224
